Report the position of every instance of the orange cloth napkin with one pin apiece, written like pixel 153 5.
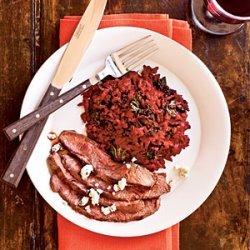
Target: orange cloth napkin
pixel 178 30
pixel 72 237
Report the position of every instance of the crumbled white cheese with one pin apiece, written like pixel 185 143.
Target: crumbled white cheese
pixel 83 201
pixel 113 193
pixel 105 210
pixel 128 165
pixel 116 188
pixel 96 184
pixel 133 159
pixel 99 191
pixel 109 209
pixel 109 187
pixel 113 208
pixel 86 171
pixel 56 147
pixel 93 194
pixel 181 171
pixel 122 183
pixel 51 136
pixel 161 171
pixel 87 208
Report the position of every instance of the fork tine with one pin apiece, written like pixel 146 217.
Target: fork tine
pixel 132 45
pixel 130 56
pixel 127 56
pixel 138 53
pixel 141 59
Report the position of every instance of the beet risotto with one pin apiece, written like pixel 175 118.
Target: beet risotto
pixel 137 117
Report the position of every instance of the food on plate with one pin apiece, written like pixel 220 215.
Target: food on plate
pixel 133 124
pixel 111 191
pixel 96 212
pixel 105 168
pixel 137 116
pixel 181 172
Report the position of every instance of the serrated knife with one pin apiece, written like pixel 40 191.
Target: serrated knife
pixel 70 60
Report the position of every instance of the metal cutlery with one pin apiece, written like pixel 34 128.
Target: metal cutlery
pixel 116 65
pixel 70 60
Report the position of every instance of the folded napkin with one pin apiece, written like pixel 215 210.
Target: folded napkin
pixel 72 237
pixel 178 30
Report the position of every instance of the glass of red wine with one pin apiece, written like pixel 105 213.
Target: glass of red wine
pixel 220 17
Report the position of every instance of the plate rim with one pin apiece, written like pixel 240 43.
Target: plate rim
pixel 222 98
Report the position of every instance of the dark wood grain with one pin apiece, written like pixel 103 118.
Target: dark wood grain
pixel 223 220
pixel 29 35
pixel 16 206
pixel 15 168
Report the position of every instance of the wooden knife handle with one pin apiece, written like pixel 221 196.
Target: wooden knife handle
pixel 26 122
pixel 17 164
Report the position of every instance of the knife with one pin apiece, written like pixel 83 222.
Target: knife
pixel 70 60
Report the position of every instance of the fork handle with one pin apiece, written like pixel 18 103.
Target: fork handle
pixel 16 165
pixel 26 122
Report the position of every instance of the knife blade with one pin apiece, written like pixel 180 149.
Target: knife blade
pixel 70 60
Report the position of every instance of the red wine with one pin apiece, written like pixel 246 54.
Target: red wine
pixel 236 7
pixel 229 11
pixel 220 17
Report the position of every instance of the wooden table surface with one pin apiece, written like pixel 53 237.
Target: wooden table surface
pixel 29 35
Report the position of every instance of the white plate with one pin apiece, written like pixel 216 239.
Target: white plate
pixel 208 116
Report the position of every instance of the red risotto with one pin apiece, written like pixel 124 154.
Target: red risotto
pixel 137 117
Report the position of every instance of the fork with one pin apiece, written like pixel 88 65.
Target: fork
pixel 116 65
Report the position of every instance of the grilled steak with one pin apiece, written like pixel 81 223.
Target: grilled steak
pixel 124 206
pixel 137 199
pixel 74 166
pixel 55 164
pixel 73 199
pixel 129 193
pixel 104 167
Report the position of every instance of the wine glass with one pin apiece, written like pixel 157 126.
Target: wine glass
pixel 220 17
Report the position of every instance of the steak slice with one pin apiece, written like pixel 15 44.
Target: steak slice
pixel 55 164
pixel 124 206
pixel 88 151
pixel 74 166
pixel 161 187
pixel 73 199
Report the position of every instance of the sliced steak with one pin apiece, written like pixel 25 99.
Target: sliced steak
pixel 161 187
pixel 131 193
pixel 57 167
pixel 73 199
pixel 88 151
pixel 124 206
pixel 65 192
pixel 74 166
